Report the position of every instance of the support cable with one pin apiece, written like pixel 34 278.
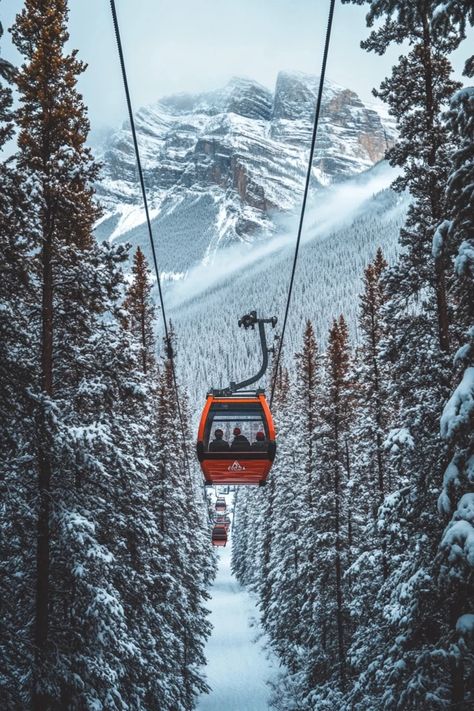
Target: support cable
pixel 306 189
pixel 169 345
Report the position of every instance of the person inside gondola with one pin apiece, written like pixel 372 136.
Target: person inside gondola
pixel 219 444
pixel 259 445
pixel 240 442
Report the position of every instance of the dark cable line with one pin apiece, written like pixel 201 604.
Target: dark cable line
pixel 169 349
pixel 169 345
pixel 306 189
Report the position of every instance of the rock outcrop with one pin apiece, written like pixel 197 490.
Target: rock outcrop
pixel 245 146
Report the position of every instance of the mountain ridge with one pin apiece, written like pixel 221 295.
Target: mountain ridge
pixel 236 156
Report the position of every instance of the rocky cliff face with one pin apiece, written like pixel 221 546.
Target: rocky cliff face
pixel 237 154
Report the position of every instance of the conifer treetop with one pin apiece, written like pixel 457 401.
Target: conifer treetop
pixel 52 121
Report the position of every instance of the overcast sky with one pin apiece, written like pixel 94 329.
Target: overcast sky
pixel 191 45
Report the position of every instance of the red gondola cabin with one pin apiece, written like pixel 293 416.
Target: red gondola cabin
pixel 236 439
pixel 219 536
pixel 222 520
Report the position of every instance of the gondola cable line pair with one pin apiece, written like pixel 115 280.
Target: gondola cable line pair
pixel 234 404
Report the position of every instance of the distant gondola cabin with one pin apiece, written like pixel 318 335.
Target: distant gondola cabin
pixel 219 535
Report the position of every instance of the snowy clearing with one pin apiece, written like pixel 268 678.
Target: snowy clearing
pixel 238 665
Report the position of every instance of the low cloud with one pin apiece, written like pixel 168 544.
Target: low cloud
pixel 330 209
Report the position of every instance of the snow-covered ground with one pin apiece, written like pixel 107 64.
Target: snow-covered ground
pixel 238 665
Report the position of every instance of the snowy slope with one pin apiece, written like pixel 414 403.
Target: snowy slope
pixel 345 226
pixel 225 172
pixel 238 666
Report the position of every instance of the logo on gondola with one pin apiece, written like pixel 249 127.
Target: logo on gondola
pixel 236 467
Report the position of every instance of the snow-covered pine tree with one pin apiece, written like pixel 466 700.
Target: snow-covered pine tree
pixel 105 569
pixel 242 532
pixel 307 392
pixel 371 391
pixel 140 312
pixel 281 614
pixel 266 534
pixel 52 133
pixel 402 672
pixel 335 412
pixel 200 565
pixel 305 617
pixel 307 367
pixel 17 491
pixel 183 544
pixel 423 142
pixel 370 476
pixel 85 395
pixel 98 638
pixel 456 559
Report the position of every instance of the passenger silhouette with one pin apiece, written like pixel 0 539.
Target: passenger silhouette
pixel 260 445
pixel 240 443
pixel 219 444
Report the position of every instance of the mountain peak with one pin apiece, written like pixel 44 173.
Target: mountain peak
pixel 240 95
pixel 234 156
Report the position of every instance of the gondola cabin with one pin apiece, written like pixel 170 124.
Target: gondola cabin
pixel 219 535
pixel 223 520
pixel 236 439
pixel 221 504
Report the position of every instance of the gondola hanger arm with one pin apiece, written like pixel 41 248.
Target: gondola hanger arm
pixel 247 321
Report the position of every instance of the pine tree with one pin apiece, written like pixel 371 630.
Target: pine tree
pixel 420 314
pixel 337 418
pixel 52 133
pixel 266 549
pixel 423 144
pixel 140 312
pixel 455 562
pixel 17 495
pixel 242 531
pixel 183 545
pixel 309 427
pixel 281 614
pixel 457 233
pixel 97 458
pixel 307 385
pixel 372 377
pixel 371 418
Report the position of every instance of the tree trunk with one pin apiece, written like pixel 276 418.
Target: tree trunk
pixel 338 566
pixel 143 334
pixel 340 623
pixel 435 198
pixel 457 683
pixel 442 306
pixel 40 700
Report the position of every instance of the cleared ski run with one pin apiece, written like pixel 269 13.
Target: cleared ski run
pixel 238 667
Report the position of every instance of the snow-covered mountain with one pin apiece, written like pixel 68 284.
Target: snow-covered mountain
pixel 225 172
pixel 220 165
pixel 345 225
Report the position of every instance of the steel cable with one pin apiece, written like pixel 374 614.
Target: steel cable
pixel 169 345
pixel 306 190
